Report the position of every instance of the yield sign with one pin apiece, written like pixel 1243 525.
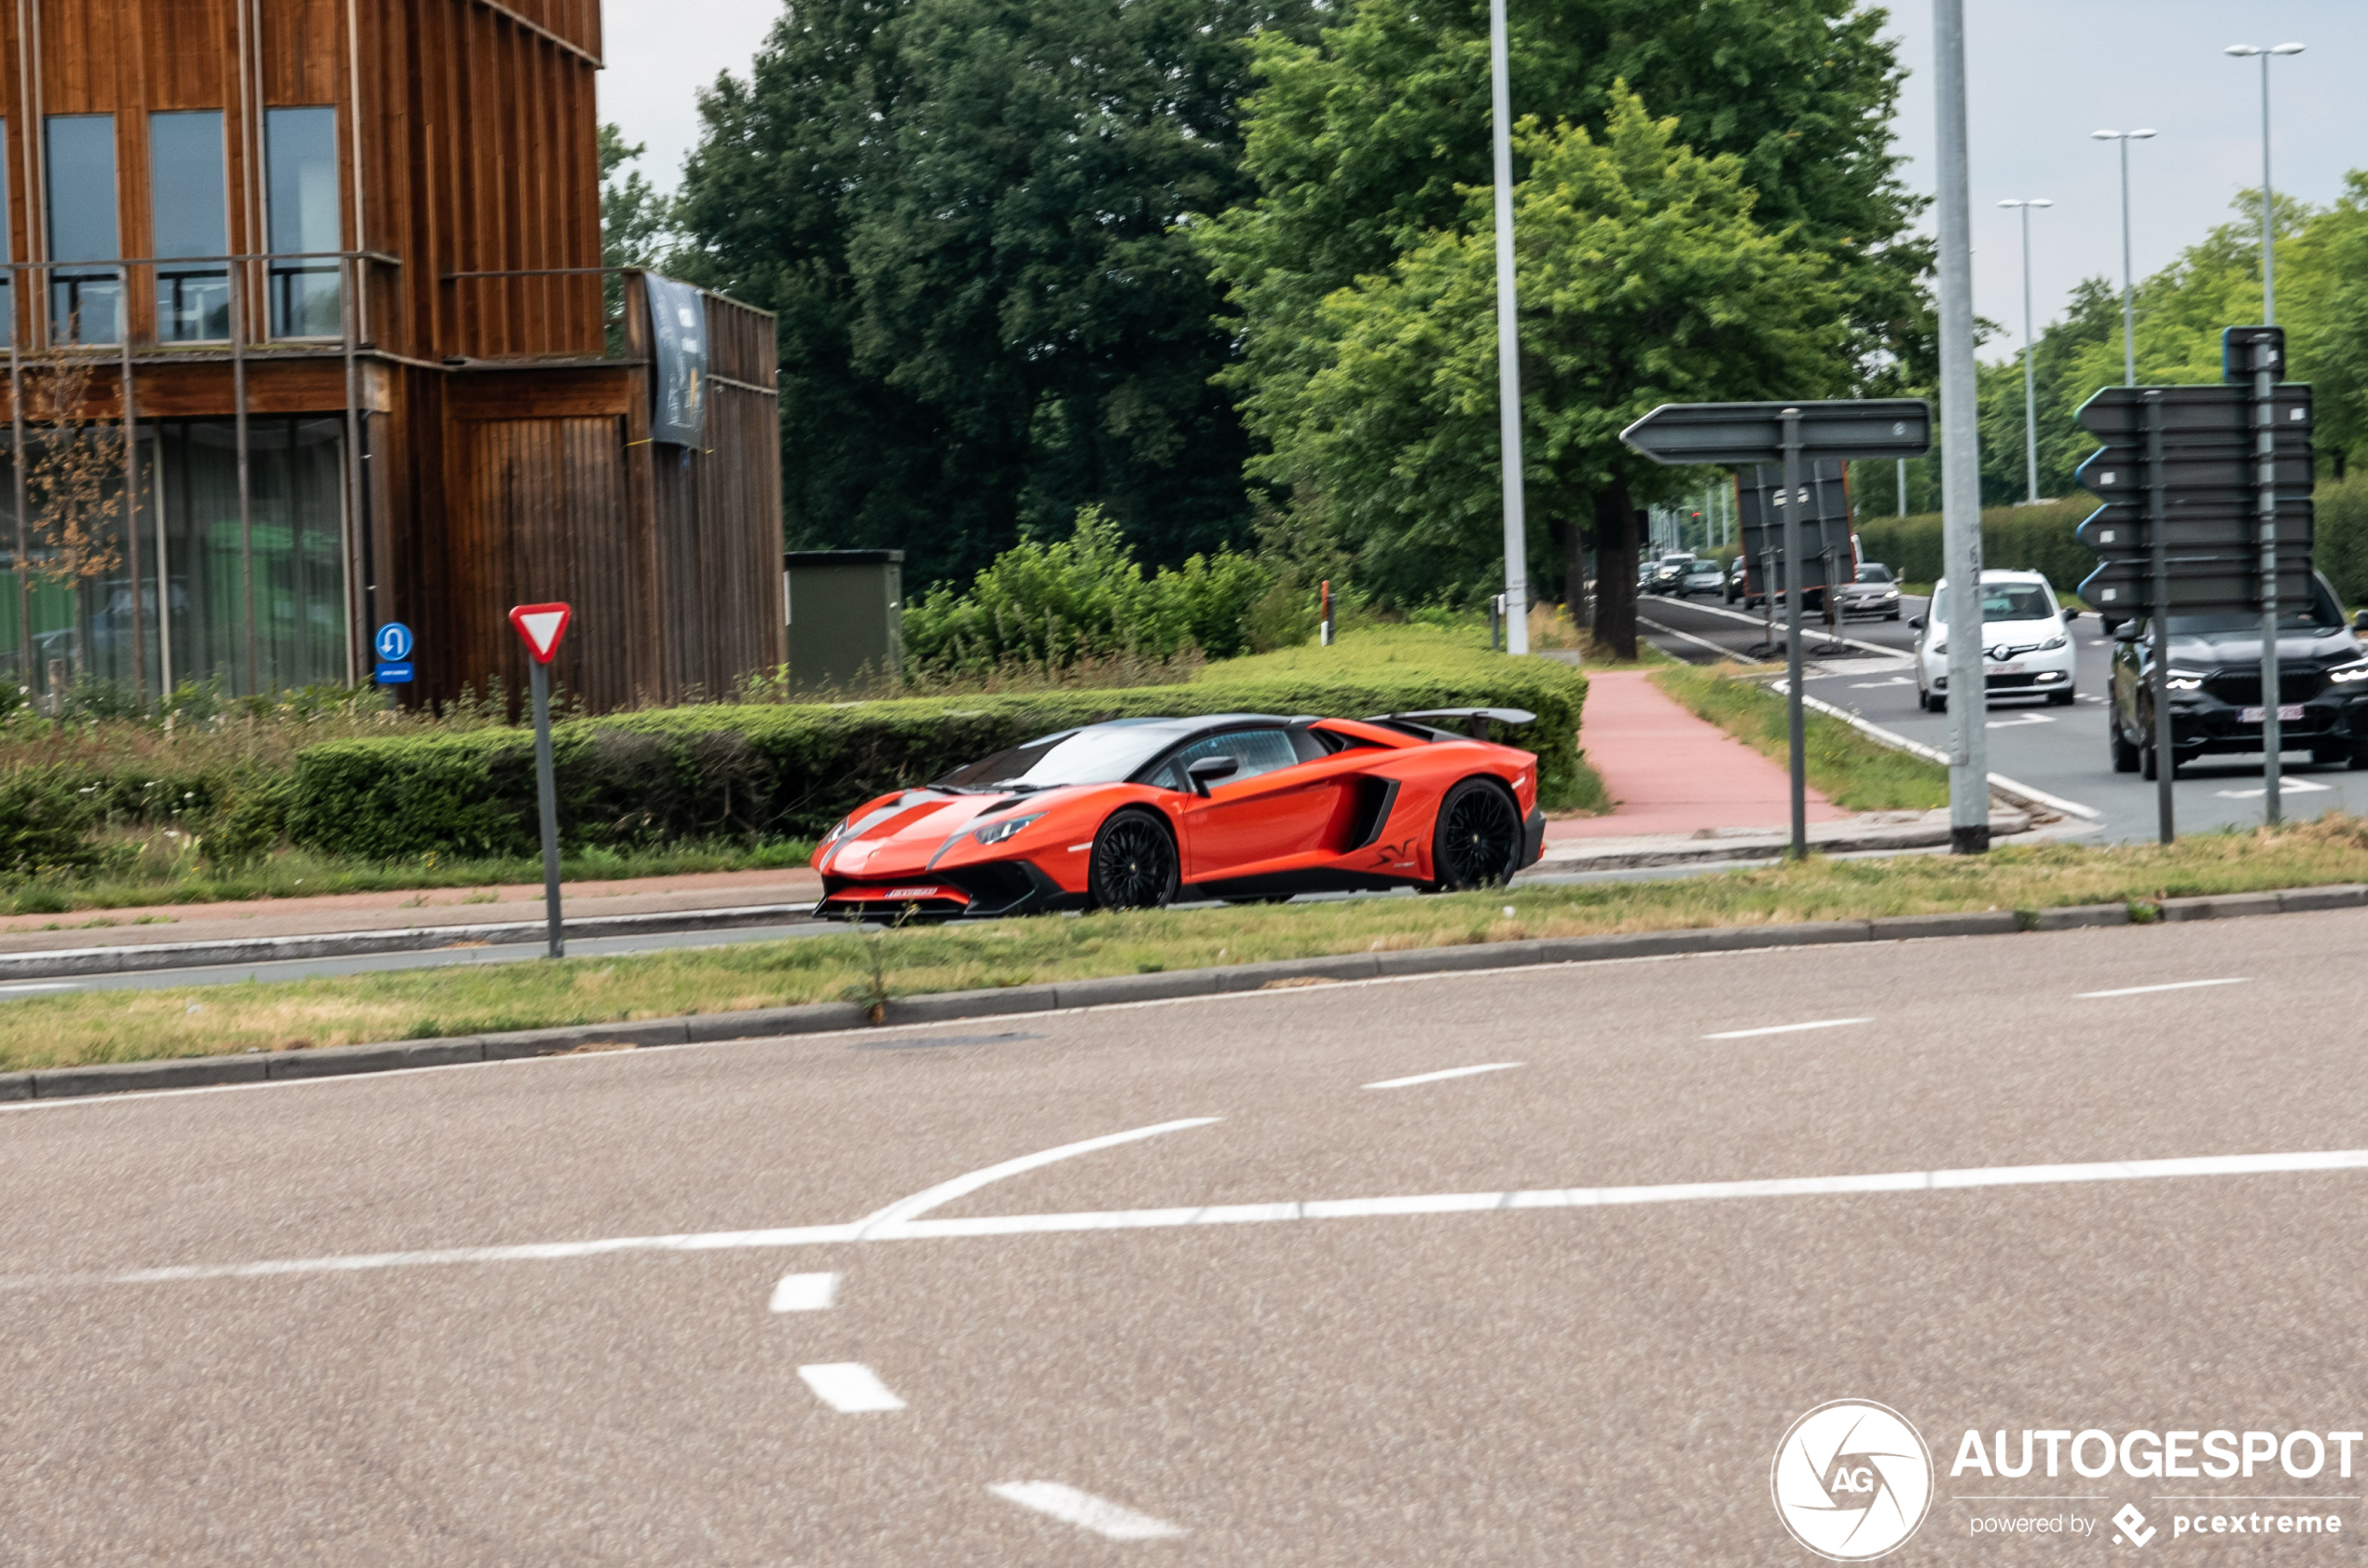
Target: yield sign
pixel 541 627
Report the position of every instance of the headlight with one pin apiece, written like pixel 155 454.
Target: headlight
pixel 2183 680
pixel 996 832
pixel 2055 642
pixel 2344 675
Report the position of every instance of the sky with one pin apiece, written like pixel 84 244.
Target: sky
pixel 2041 75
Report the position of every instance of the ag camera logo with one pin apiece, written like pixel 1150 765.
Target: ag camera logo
pixel 1852 1479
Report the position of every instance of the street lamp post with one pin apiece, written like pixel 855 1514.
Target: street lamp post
pixel 2129 284
pixel 1509 344
pixel 2268 234
pixel 2031 382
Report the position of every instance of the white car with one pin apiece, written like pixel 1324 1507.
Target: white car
pixel 2027 645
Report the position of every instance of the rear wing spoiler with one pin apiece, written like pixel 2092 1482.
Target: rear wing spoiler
pixel 1475 720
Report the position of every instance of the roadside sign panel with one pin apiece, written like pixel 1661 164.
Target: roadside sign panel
pixel 540 626
pixel 393 672
pixel 1731 434
pixel 1823 497
pixel 394 642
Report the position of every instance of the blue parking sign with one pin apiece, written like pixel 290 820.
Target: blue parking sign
pixel 393 643
pixel 393 673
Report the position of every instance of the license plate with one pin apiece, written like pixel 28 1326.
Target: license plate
pixel 2254 715
pixel 2014 668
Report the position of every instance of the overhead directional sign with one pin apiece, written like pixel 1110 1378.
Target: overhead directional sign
pixel 1734 433
pixel 540 626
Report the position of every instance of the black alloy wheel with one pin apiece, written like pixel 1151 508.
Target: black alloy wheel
pixel 1478 843
pixel 1134 864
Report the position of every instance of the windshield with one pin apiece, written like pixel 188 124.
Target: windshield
pixel 2321 614
pixel 1874 571
pixel 2004 601
pixel 1104 754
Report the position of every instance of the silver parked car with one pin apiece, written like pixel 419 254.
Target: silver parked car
pixel 1873 594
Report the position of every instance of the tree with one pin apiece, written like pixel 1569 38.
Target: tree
pixel 2063 360
pixel 966 214
pixel 1643 278
pixel 74 481
pixel 635 220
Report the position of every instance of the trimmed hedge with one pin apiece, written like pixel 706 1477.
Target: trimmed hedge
pixel 2013 539
pixel 753 772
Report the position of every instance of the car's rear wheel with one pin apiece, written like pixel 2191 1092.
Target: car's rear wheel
pixel 1134 863
pixel 1478 841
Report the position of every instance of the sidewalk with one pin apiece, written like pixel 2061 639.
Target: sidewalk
pixel 401 911
pixel 1670 773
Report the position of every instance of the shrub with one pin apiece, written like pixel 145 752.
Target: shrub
pixel 45 817
pixel 2013 539
pixel 747 772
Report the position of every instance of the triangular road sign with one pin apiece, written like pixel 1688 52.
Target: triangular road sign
pixel 539 627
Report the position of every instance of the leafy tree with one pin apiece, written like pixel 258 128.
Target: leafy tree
pixel 966 214
pixel 2063 361
pixel 634 222
pixel 1643 278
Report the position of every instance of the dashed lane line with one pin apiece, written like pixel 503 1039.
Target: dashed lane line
pixel 849 1387
pixel 2303 1161
pixel 1787 1028
pixel 1086 1511
pixel 805 1293
pixel 1442 1075
pixel 2143 990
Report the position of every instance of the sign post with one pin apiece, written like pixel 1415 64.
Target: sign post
pixel 540 626
pixel 1734 434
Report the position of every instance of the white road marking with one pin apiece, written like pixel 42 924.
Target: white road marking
pixel 1720 649
pixel 849 1387
pixel 2290 784
pixel 1787 1028
pixel 1086 1511
pixel 1808 629
pixel 1898 742
pixel 1442 1076
pixel 1870 685
pixel 2141 990
pixel 2019 722
pixel 1254 1214
pixel 946 1191
pixel 35 988
pixel 805 1293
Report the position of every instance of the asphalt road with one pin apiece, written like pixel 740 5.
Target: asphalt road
pixel 630 1308
pixel 2060 750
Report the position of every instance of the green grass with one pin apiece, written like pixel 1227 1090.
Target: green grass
pixel 1845 767
pixel 146 869
pixel 130 1025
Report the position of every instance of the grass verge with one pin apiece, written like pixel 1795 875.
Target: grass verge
pixel 1845 767
pixel 130 1025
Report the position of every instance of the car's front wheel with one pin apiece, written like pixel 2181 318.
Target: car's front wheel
pixel 1478 841
pixel 1134 863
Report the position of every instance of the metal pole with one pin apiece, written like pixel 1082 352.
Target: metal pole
pixel 539 680
pixel 16 420
pixel 1903 486
pixel 1508 369
pixel 132 487
pixel 1793 596
pixel 2268 232
pixel 2158 536
pixel 2265 496
pixel 2030 381
pixel 2129 282
pixel 1961 450
pixel 246 481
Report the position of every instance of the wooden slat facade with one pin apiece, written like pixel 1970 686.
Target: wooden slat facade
pixel 497 453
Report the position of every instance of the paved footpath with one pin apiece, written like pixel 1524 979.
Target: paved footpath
pixel 1671 773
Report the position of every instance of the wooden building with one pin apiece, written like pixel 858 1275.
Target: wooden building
pixel 341 259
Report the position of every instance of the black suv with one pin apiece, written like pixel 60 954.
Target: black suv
pixel 2215 686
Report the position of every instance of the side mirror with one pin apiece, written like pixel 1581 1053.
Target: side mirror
pixel 2071 613
pixel 2125 632
pixel 1916 622
pixel 1207 770
pixel 2360 622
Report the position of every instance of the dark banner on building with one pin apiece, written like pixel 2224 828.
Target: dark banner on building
pixel 678 336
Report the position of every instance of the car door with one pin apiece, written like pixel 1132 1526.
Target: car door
pixel 1274 806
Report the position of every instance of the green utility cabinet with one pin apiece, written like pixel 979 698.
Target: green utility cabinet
pixel 846 610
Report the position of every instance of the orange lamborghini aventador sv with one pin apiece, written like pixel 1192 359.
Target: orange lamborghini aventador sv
pixel 1136 812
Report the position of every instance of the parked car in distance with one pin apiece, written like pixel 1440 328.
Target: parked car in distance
pixel 1873 594
pixel 1668 571
pixel 2027 648
pixel 1739 584
pixel 2214 680
pixel 1702 577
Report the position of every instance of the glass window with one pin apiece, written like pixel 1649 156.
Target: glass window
pixel 1098 754
pixel 85 304
pixel 1257 751
pixel 1874 571
pixel 189 214
pixel 300 157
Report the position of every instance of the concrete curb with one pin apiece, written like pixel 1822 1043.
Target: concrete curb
pixel 194 1072
pixel 342 944
pixel 1764 846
